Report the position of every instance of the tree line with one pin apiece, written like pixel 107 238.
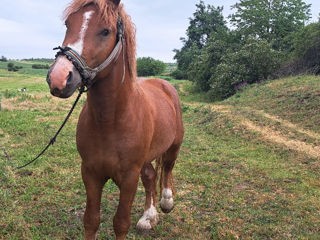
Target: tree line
pixel 264 40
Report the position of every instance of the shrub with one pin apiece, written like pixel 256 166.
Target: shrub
pixel 306 45
pixel 203 65
pixel 178 74
pixel 40 66
pixel 12 68
pixel 254 62
pixel 148 66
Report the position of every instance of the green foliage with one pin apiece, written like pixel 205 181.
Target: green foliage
pixel 40 66
pixel 306 45
pixel 271 20
pixel 178 74
pixel 13 68
pixel 305 52
pixel 3 59
pixel 148 66
pixel 170 67
pixel 254 62
pixel 205 64
pixel 220 60
pixel 206 20
pixel 39 60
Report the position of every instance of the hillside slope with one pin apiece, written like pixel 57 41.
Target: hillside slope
pixel 262 149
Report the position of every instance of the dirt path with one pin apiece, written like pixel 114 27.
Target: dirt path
pixel 286 123
pixel 272 135
pixel 269 134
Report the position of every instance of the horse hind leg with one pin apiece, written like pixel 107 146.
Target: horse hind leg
pixel 150 215
pixel 166 181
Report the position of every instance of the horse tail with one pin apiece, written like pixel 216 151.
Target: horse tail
pixel 159 171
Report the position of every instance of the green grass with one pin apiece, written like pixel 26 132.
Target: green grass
pixel 232 181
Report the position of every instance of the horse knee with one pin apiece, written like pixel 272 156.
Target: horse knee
pixel 91 222
pixel 149 173
pixel 121 224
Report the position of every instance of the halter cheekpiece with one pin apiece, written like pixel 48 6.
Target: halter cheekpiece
pixel 88 74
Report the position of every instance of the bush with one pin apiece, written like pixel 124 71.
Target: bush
pixel 148 66
pixel 178 74
pixel 254 62
pixel 40 66
pixel 204 65
pixel 306 45
pixel 12 68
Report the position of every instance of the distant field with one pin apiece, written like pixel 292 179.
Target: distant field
pixel 249 167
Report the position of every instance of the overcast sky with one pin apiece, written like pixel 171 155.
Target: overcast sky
pixel 31 28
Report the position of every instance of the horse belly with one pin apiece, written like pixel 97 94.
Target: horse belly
pixel 165 130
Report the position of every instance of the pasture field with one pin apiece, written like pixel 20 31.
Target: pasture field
pixel 249 166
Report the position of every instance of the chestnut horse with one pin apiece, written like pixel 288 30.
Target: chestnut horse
pixel 125 123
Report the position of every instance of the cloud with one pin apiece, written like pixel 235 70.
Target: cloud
pixel 23 40
pixel 30 28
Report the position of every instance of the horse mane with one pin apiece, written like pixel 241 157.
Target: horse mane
pixel 110 14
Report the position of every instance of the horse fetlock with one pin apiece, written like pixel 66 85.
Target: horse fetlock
pixel 148 220
pixel 166 202
pixel 90 235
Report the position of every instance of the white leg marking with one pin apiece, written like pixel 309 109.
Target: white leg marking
pixel 149 218
pixel 78 45
pixel 166 200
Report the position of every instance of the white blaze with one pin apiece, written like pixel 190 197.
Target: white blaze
pixel 78 45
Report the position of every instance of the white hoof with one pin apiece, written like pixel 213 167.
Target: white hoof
pixel 148 220
pixel 166 202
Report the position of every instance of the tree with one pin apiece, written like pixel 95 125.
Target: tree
pixel 270 20
pixel 3 59
pixel 148 66
pixel 204 65
pixel 305 51
pixel 254 62
pixel 205 21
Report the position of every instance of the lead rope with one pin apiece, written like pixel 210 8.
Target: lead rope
pixel 53 140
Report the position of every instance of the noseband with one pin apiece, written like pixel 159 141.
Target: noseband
pixel 88 74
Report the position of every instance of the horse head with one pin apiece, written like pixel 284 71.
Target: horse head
pixel 90 39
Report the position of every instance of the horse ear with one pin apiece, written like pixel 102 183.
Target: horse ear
pixel 116 2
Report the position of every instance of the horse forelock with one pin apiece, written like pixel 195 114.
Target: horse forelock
pixel 110 14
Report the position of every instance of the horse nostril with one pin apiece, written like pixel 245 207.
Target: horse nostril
pixel 48 79
pixel 69 77
pixel 55 92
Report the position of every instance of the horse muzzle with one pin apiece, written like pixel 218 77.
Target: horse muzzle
pixel 63 79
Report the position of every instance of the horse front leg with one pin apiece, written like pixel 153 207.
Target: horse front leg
pixel 91 218
pixel 150 215
pixel 128 187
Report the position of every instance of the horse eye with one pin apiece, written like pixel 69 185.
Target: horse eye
pixel 105 32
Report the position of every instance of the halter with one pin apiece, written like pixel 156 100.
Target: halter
pixel 88 74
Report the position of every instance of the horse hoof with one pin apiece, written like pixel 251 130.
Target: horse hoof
pixel 143 232
pixel 147 221
pixel 166 203
pixel 165 210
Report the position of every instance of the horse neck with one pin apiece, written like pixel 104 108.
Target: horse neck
pixel 108 97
